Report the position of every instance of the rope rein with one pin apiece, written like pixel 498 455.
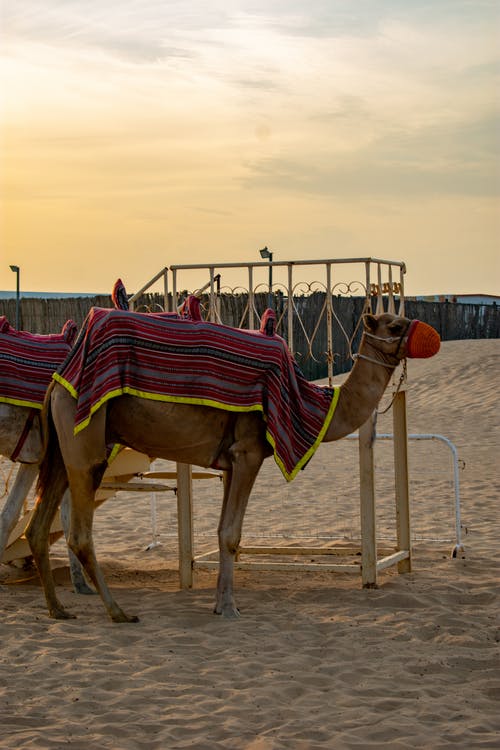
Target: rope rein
pixel 402 378
pixel 374 361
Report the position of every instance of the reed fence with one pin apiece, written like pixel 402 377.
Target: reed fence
pixel 452 320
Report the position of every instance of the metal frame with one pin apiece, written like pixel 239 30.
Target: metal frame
pixel 385 290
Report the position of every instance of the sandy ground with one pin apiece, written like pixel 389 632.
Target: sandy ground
pixel 315 660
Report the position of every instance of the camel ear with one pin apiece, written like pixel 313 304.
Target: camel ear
pixel 397 326
pixel 370 322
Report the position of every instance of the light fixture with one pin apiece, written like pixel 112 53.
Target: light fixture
pixel 266 253
pixel 16 270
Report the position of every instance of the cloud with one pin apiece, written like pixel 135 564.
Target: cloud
pixel 461 159
pixel 139 32
pixel 324 97
pixel 333 19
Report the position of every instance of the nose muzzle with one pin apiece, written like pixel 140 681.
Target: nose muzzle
pixel 423 340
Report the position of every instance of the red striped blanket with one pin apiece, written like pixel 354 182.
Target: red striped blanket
pixel 168 358
pixel 28 360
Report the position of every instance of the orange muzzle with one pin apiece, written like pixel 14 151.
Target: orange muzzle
pixel 422 341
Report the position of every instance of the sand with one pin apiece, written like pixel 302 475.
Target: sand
pixel 314 661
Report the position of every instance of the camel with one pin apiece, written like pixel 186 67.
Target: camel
pixel 20 436
pixel 20 429
pixel 193 433
pixel 13 419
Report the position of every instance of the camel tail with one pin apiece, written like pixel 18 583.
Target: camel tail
pixel 52 476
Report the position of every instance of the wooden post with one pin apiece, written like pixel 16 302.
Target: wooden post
pixel 403 524
pixel 185 524
pixel 367 504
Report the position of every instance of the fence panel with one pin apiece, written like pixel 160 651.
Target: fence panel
pixel 451 319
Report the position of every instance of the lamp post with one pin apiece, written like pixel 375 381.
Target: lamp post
pixel 266 253
pixel 16 269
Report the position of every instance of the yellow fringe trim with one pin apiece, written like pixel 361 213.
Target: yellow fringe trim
pixel 114 452
pixel 16 402
pixel 305 458
pixel 204 402
pixel 66 384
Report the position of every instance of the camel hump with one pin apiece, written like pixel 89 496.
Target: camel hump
pixel 119 295
pixel 190 308
pixel 69 331
pixel 268 322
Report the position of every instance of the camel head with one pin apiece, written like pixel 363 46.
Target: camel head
pixel 396 337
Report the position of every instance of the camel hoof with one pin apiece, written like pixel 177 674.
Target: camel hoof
pixel 122 617
pixel 61 614
pixel 230 612
pixel 84 590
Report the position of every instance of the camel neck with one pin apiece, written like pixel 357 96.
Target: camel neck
pixel 359 394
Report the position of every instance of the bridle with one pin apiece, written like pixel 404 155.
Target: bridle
pixel 374 361
pixel 387 340
pixel 391 367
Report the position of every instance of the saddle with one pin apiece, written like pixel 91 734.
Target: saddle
pixel 67 335
pixel 27 361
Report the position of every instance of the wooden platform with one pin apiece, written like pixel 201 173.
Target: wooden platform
pixel 127 465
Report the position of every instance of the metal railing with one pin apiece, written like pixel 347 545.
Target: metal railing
pixel 381 286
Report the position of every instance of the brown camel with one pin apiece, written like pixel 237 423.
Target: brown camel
pixel 24 359
pixel 192 434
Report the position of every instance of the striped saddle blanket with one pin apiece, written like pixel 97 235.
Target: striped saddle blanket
pixel 28 361
pixel 168 358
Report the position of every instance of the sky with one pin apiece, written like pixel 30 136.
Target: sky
pixel 137 134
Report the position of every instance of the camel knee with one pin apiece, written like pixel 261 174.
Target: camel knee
pixel 80 544
pixel 37 540
pixel 229 540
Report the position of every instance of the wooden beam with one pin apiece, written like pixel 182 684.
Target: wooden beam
pixel 367 504
pixel 173 474
pixel 282 566
pixel 185 525
pixel 136 487
pixel 396 557
pixel 402 490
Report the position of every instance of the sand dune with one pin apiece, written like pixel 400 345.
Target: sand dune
pixel 314 661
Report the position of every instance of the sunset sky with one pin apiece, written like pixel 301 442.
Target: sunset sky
pixel 140 134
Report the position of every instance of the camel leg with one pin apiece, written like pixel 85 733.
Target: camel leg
pixel 26 475
pixel 80 585
pixel 37 534
pixel 83 485
pixel 237 487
